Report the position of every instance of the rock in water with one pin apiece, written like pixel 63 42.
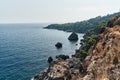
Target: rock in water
pixel 50 59
pixel 73 37
pixel 58 45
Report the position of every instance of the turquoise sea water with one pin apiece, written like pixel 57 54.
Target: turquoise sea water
pixel 25 48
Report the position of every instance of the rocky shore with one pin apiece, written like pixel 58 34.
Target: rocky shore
pixel 62 70
pixel 102 61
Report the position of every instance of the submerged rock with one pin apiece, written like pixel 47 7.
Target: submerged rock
pixel 58 45
pixel 73 37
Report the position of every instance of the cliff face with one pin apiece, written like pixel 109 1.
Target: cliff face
pixel 101 63
pixel 103 60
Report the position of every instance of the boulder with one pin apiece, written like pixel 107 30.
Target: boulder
pixel 58 45
pixel 50 59
pixel 73 37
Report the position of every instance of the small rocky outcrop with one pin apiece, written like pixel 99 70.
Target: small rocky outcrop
pixel 73 37
pixel 58 45
pixel 64 57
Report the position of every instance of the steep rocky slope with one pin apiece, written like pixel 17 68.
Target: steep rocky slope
pixel 102 61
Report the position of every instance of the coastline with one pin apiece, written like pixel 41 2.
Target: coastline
pixel 102 61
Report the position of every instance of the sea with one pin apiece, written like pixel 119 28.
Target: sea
pixel 25 48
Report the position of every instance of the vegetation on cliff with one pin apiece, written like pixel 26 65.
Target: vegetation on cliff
pixel 89 39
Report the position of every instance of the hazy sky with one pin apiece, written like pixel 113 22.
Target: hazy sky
pixel 35 11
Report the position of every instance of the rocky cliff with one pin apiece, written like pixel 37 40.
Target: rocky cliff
pixel 102 61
